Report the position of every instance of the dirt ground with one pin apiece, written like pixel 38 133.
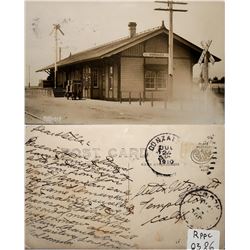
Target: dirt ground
pixel 205 108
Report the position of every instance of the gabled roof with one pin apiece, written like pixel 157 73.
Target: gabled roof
pixel 114 47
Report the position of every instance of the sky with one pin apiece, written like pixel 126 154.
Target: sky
pixel 90 23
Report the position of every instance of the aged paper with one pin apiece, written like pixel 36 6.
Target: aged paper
pixel 113 62
pixel 122 187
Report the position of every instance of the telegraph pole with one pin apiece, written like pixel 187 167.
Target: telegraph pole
pixel 171 41
pixel 56 27
pixel 29 76
pixel 205 72
pixel 170 8
pixel 56 42
pixel 60 53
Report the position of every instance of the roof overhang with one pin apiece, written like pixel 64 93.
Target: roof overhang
pixel 76 58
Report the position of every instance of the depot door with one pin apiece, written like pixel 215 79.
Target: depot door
pixel 95 83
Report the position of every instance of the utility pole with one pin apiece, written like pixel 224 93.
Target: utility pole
pixel 170 8
pixel 29 75
pixel 60 53
pixel 55 29
pixel 56 41
pixel 205 69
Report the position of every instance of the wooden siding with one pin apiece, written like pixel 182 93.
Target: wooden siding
pixel 182 78
pixel 161 61
pixel 181 51
pixel 158 44
pixel 132 75
pixel 136 50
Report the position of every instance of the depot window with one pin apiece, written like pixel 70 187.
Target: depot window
pixel 155 78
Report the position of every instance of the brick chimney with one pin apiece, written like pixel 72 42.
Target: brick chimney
pixel 132 29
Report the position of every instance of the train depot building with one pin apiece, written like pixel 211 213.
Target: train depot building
pixel 134 66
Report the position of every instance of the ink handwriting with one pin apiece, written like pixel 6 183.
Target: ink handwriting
pixel 69 135
pixel 151 198
pixel 70 199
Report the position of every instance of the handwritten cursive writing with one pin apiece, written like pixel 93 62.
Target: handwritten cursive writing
pixel 70 136
pixel 70 200
pixel 151 198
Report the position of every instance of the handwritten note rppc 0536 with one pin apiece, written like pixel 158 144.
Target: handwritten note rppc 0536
pixel 122 186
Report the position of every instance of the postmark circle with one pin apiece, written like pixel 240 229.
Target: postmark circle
pixel 162 154
pixel 201 209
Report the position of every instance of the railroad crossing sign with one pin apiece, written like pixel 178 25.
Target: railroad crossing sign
pixel 204 59
pixel 205 52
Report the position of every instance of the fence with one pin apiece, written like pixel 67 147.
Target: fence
pixel 37 91
pixel 142 97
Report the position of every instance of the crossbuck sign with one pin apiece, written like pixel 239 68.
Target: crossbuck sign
pixel 205 46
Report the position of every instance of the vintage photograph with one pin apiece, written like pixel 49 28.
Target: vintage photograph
pixel 157 180
pixel 124 62
pixel 125 187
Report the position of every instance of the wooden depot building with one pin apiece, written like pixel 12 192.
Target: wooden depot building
pixel 134 65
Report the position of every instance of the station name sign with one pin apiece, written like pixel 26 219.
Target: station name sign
pixel 152 54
